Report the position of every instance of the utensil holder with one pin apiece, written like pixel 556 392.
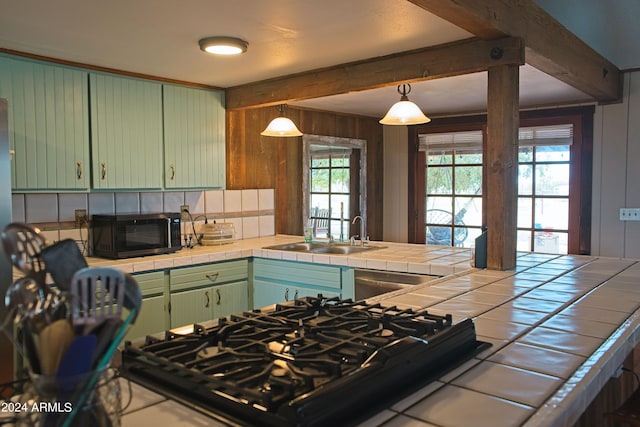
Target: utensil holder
pixel 48 400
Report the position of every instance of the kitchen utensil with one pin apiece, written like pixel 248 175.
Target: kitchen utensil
pixel 105 333
pixel 23 245
pixel 53 342
pixel 76 362
pixel 20 295
pixel 97 293
pixel 62 260
pixel 133 303
pixel 30 345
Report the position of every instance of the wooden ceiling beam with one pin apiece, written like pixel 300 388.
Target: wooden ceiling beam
pixel 446 60
pixel 549 46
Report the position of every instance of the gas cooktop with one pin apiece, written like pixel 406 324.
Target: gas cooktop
pixel 309 362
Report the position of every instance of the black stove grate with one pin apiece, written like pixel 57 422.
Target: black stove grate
pixel 309 362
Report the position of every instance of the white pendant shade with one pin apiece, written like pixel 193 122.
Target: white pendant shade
pixel 404 112
pixel 281 126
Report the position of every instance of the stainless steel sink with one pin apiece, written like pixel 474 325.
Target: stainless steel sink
pixel 323 248
pixel 369 283
pixel 298 246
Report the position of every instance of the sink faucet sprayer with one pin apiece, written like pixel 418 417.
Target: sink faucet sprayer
pixel 363 239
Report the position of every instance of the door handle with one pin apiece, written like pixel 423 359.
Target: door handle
pixel 78 170
pixel 173 172
pixel 219 297
pixel 104 170
pixel 206 305
pixel 213 277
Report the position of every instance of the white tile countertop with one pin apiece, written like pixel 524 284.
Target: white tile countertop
pixel 560 327
pixel 403 257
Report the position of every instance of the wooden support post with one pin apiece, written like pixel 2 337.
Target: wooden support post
pixel 501 166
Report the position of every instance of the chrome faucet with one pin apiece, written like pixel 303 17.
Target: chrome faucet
pixel 363 239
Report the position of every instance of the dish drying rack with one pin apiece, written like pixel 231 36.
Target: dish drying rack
pixel 218 233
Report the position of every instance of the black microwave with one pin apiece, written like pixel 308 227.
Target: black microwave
pixel 132 235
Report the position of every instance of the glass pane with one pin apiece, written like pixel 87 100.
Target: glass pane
pixel 441 158
pixel 319 201
pixel 525 154
pixel 552 214
pixel 555 153
pixel 525 215
pixel 440 203
pixel 552 243
pixel 439 180
pixel 340 180
pixel 468 211
pixel 470 241
pixel 319 162
pixel 468 180
pixel 439 216
pixel 525 180
pixel 340 161
pixel 439 235
pixel 468 157
pixel 336 200
pixel 524 241
pixel 552 179
pixel 320 180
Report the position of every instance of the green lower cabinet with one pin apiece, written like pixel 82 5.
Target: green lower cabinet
pixel 153 316
pixel 266 293
pixel 208 291
pixel 276 281
pixel 200 305
pixel 151 319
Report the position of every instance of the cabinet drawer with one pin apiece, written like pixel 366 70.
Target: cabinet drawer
pixel 209 274
pixel 296 273
pixel 150 283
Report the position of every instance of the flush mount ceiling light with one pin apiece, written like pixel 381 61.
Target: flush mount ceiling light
pixel 404 112
pixel 281 126
pixel 223 45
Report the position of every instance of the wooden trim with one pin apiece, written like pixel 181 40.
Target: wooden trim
pixel 549 46
pixel 416 187
pixel 501 165
pixel 581 164
pixel 446 60
pixel 105 69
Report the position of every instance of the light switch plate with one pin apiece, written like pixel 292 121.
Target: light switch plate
pixel 629 214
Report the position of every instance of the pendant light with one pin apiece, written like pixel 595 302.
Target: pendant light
pixel 404 112
pixel 281 126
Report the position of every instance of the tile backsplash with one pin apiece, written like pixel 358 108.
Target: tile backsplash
pixel 251 211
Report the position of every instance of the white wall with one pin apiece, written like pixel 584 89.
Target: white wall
pixel 395 226
pixel 616 175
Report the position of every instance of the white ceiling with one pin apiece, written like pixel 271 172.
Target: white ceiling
pixel 160 37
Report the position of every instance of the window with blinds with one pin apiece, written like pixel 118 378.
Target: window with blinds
pixel 454 187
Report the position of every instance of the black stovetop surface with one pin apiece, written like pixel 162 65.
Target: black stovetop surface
pixel 309 362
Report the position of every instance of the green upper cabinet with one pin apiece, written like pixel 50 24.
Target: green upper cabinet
pixel 126 132
pixel 194 145
pixel 48 123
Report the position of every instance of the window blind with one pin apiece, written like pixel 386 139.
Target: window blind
pixel 469 140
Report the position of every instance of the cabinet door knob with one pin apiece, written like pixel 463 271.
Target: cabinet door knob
pixel 173 172
pixel 286 294
pixel 104 170
pixel 219 297
pixel 78 170
pixel 213 277
pixel 206 305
